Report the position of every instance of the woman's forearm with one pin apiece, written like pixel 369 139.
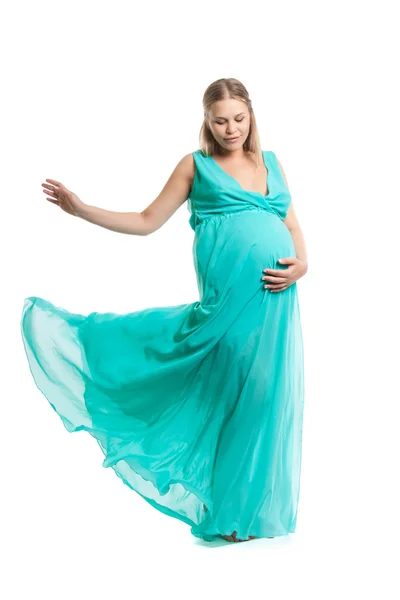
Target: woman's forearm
pixel 133 223
pixel 299 244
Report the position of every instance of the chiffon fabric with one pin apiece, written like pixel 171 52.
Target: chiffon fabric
pixel 196 407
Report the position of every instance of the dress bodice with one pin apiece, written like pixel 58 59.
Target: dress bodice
pixel 215 192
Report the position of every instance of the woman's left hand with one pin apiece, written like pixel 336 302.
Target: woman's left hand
pixel 280 279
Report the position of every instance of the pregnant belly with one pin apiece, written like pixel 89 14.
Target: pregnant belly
pixel 232 250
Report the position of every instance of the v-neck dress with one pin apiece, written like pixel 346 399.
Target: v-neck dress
pixel 196 407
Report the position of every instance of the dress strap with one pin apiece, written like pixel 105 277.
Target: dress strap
pixel 272 163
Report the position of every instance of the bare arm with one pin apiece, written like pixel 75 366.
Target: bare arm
pixel 292 223
pixel 121 222
pixel 171 197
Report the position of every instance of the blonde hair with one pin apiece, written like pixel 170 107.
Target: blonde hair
pixel 221 89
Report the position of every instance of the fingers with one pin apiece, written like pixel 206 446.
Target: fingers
pixel 277 279
pixel 55 182
pixel 277 288
pixel 55 186
pixel 49 190
pixel 274 271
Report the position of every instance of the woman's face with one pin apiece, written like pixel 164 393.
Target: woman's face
pixel 227 119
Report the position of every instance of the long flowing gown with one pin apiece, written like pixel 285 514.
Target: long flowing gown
pixel 197 407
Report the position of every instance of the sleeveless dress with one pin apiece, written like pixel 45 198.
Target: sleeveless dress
pixel 197 407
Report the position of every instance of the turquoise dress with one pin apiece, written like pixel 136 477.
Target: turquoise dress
pixel 197 407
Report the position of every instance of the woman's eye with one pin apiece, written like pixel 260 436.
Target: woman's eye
pixel 237 121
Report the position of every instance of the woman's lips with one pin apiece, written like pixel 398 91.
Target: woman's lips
pixel 232 139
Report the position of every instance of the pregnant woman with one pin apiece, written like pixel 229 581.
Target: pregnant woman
pixel 197 407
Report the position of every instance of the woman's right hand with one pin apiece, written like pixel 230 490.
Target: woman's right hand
pixel 64 198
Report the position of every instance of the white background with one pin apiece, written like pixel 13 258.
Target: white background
pixel 107 98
